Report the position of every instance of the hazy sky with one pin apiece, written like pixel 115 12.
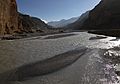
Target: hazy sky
pixel 51 10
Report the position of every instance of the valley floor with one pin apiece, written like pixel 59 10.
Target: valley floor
pixel 67 58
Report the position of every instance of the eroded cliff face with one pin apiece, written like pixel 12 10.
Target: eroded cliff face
pixel 106 15
pixel 8 17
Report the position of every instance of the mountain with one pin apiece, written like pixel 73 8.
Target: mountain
pixel 62 22
pixel 106 15
pixel 32 24
pixel 77 24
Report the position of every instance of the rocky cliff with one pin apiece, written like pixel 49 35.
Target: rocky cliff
pixel 106 15
pixel 8 17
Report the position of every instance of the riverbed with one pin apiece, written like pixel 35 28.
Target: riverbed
pixel 95 66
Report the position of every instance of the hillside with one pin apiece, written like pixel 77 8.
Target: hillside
pixel 32 24
pixel 106 15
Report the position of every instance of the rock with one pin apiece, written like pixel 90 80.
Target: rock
pixel 117 72
pixel 8 17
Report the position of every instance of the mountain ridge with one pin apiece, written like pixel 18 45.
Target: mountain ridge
pixel 62 22
pixel 78 23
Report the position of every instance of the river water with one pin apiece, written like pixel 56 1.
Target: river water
pixel 96 66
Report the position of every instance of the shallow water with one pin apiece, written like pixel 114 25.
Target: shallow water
pixel 91 68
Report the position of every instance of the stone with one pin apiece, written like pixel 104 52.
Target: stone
pixel 8 17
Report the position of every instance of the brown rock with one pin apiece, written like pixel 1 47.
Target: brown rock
pixel 8 17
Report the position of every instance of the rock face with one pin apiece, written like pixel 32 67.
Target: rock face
pixel 8 17
pixel 106 15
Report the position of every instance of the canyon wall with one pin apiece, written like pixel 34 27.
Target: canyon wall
pixel 8 17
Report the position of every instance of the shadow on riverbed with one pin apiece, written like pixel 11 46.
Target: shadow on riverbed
pixel 43 67
pixel 97 37
pixel 59 36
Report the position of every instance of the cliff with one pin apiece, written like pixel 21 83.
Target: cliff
pixel 106 15
pixel 8 17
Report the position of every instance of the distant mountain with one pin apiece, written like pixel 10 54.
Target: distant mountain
pixel 62 22
pixel 106 15
pixel 77 24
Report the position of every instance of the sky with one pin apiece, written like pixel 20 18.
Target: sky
pixel 54 10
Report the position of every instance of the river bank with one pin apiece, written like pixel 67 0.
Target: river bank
pixel 26 35
pixel 114 32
